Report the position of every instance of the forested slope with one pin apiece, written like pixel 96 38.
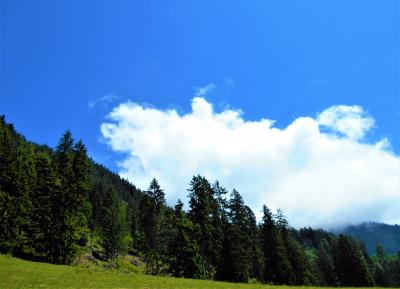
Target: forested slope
pixel 56 204
pixel 373 234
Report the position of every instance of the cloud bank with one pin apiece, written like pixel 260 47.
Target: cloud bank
pixel 319 170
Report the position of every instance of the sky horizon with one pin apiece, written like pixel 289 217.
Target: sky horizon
pixel 281 100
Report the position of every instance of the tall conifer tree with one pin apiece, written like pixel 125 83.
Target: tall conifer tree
pixel 112 224
pixel 205 214
pixel 186 258
pixel 277 268
pixel 351 264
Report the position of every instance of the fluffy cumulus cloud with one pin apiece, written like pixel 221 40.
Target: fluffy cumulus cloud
pixel 319 170
pixel 350 121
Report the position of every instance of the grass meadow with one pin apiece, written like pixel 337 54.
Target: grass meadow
pixel 16 273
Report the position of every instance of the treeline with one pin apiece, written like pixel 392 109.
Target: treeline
pixel 53 203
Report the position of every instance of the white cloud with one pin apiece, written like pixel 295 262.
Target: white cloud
pixel 350 121
pixel 316 177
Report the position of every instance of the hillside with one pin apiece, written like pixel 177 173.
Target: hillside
pixel 373 233
pixel 58 206
pixel 16 273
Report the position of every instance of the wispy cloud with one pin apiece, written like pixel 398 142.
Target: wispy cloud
pixel 107 99
pixel 202 91
pixel 319 177
pixel 228 81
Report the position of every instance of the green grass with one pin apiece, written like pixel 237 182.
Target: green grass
pixel 16 273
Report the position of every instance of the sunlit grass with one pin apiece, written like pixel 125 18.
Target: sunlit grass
pixel 16 273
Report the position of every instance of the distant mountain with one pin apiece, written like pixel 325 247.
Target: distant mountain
pixel 373 233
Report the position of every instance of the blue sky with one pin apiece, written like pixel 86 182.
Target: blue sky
pixel 285 58
pixel 67 64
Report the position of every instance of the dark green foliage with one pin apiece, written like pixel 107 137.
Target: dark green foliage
pixel 386 268
pixel 17 178
pixel 351 265
pixel 43 198
pixel 154 225
pixel 298 260
pixel 239 239
pixel 186 259
pixel 112 224
pixel 70 204
pixel 300 266
pixel 277 267
pixel 257 262
pixel 326 264
pixel 136 233
pixel 204 213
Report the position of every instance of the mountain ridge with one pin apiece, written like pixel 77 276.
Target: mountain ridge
pixel 373 233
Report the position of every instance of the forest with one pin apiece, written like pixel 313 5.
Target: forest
pixel 55 202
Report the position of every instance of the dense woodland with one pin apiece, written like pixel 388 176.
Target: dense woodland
pixel 56 202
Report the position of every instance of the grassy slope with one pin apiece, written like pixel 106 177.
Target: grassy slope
pixel 16 273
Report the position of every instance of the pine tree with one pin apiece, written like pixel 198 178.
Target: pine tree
pixel 240 242
pixel 157 195
pixel 186 260
pixel 17 178
pixel 301 268
pixel 277 268
pixel 351 265
pixel 326 264
pixel 25 183
pixel 295 252
pixel 153 223
pixel 113 225
pixel 42 198
pixel 70 205
pixel 222 203
pixel 134 228
pixel 81 191
pixel 204 213
pixel 257 263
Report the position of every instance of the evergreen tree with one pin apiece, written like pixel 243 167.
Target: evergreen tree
pixel 70 205
pixel 326 264
pixel 224 270
pixel 47 186
pixel 351 265
pixel 81 191
pixel 157 195
pixel 17 177
pixel 113 226
pixel 295 252
pixel 277 268
pixel 134 228
pixel 153 224
pixel 240 242
pixel 222 203
pixel 186 260
pixel 301 268
pixel 257 262
pixel 26 178
pixel 204 212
